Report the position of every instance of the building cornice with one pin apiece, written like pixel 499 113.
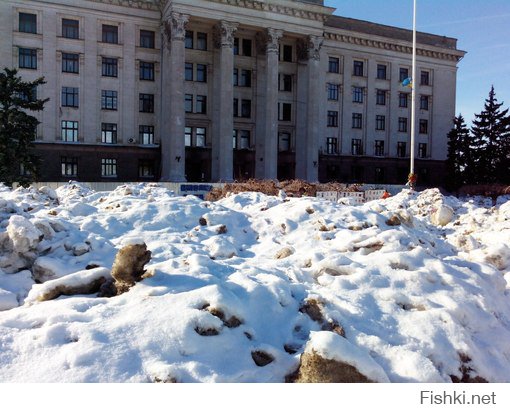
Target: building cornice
pixel 300 10
pixel 137 4
pixel 432 52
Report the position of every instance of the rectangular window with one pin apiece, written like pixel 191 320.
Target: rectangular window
pixel 187 135
pixel 424 102
pixel 188 71
pixel 285 83
pixel 235 108
pixel 379 148
pixel 201 41
pixel 245 108
pixel 403 74
pixel 235 49
pixel 284 141
pixel 70 62
pixel 146 103
pixel 70 29
pixel 334 65
pixel 381 72
pixel 332 118
pixel 246 47
pixel 147 39
pixel 28 23
pixel 146 134
pixel 332 146
pixel 201 73
pixel 287 53
pixel 357 94
pixel 110 34
pixel 27 58
pixel 425 78
pixel 109 67
pixel 285 112
pixel 146 168
pixel 188 103
pixel 357 120
pixel 379 174
pixel 188 40
pixel 357 173
pixel 201 104
pixel 243 139
pixel 356 148
pixel 69 131
pixel 109 133
pixel 147 71
pixel 234 139
pixel 424 126
pixel 69 166
pixel 380 122
pixel 401 149
pixel 357 68
pixel 333 91
pixel 70 97
pixel 402 124
pixel 200 137
pixel 245 79
pixel 403 100
pixel 108 167
pixel 235 79
pixel 381 97
pixel 109 99
pixel 422 150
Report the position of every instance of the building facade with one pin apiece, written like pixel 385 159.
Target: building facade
pixel 217 90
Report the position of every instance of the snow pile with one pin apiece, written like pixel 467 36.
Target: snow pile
pixel 411 289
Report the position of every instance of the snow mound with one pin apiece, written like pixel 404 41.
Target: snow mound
pixel 331 346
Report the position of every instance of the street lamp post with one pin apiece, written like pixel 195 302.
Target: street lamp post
pixel 412 175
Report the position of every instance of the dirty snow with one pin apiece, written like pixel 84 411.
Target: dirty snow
pixel 418 299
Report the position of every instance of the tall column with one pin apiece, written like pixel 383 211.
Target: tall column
pixel 267 110
pixel 172 99
pixel 309 101
pixel 222 165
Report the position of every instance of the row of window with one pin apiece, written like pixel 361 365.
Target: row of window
pixel 380 122
pixel 109 99
pixel 357 148
pixel 358 94
pixel 69 132
pixel 71 30
pixel 379 173
pixel 27 59
pixel 69 167
pixel 358 69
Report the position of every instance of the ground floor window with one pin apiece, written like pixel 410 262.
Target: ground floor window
pixel 108 167
pixel 146 168
pixel 69 166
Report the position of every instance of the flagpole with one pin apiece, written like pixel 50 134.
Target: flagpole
pixel 413 95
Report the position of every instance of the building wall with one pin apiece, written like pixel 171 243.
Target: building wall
pixel 307 155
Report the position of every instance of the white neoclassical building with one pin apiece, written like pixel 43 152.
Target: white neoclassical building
pixel 216 90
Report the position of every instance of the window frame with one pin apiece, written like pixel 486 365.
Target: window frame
pixel 147 39
pixel 69 128
pixel 25 57
pixel 109 133
pixel 146 103
pixel 108 167
pixel 146 134
pixel 69 97
pixel 110 33
pixel 27 26
pixel 70 28
pixel 109 65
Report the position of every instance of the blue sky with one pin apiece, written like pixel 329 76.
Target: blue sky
pixel 482 28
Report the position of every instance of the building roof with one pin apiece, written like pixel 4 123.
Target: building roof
pixel 365 27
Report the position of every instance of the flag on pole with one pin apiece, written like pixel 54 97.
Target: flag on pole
pixel 407 82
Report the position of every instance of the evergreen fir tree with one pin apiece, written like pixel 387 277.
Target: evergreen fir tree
pixel 490 130
pixel 18 128
pixel 459 162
